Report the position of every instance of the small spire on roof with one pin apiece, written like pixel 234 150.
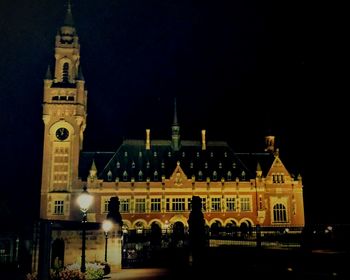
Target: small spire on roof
pixel 80 74
pixel 93 170
pixel 68 21
pixel 175 122
pixel 258 170
pixel 48 75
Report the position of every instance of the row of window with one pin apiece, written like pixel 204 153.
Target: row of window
pixel 200 176
pixel 179 204
pixel 62 98
pixel 148 165
pixel 278 178
pixel 60 167
pixel 215 204
pixel 183 154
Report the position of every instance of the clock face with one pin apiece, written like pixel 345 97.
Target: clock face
pixel 62 133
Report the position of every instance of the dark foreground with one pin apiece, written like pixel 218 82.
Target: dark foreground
pixel 235 263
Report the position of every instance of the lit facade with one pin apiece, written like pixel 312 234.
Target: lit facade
pixel 154 179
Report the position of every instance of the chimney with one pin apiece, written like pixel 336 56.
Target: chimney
pixel 148 139
pixel 204 144
pixel 270 143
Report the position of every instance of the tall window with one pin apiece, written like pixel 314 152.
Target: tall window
pixel 105 205
pixel 155 175
pixel 59 207
pixel 155 204
pixel 124 205
pixel 125 176
pixel 245 204
pixel 200 175
pixel 230 204
pixel 229 176
pixel 216 204
pixel 215 176
pixel 60 167
pixel 279 213
pixel 204 204
pixel 140 205
pixel 178 204
pixel 140 175
pixel 65 72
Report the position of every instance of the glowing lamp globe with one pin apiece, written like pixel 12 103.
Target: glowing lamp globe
pixel 85 200
pixel 107 225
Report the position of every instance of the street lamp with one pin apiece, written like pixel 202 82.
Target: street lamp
pixel 107 226
pixel 84 201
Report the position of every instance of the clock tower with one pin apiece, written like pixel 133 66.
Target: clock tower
pixel 64 116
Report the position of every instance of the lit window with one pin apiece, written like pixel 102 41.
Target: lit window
pixel 220 165
pixel 148 164
pixel 109 175
pixel 230 204
pixel 200 175
pixel 178 204
pixel 140 205
pixel 279 213
pixel 140 175
pixel 124 205
pixel 245 204
pixel 133 164
pixel 211 154
pixel 59 207
pixel 155 175
pixel 155 204
pixel 216 204
pixel 155 154
pixel 125 154
pixel 229 176
pixel 118 164
pixel 215 176
pixel 105 205
pixel 191 165
pixel 169 154
pixel 205 165
pixel 243 175
pixel 163 165
pixel 125 176
pixel 225 154
pixel 183 154
pixel 234 165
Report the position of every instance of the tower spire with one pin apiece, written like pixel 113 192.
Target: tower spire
pixel 175 113
pixel 68 21
pixel 175 129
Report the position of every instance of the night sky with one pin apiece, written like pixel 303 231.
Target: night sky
pixel 237 69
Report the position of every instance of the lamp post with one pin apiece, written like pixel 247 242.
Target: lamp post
pixel 84 201
pixel 107 226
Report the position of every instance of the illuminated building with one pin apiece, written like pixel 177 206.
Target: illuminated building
pixel 154 179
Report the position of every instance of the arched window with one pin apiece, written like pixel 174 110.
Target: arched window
pixel 140 176
pixel 215 176
pixel 279 213
pixel 125 176
pixel 65 72
pixel 133 164
pixel 229 176
pixel 109 175
pixel 155 175
pixel 200 175
pixel 118 164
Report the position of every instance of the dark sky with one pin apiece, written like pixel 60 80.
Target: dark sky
pixel 237 68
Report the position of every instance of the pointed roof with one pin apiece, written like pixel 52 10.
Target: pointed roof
pixel 48 75
pixel 93 165
pixel 68 21
pixel 258 167
pixel 175 122
pixel 80 74
pixel 278 167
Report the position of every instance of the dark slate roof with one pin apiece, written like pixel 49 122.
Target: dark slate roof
pixel 251 161
pixel 161 159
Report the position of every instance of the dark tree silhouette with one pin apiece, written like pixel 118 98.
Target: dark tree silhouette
pixel 113 211
pixel 197 235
